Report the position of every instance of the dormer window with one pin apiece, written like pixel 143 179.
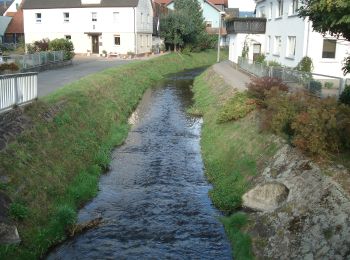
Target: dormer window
pixel 38 17
pixel 94 16
pixel 66 17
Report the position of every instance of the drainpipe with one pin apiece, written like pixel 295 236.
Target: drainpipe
pixel 135 34
pixel 308 38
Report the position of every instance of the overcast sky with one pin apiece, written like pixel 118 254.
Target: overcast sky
pixel 243 5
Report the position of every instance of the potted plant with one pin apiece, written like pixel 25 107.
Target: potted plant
pixel 104 53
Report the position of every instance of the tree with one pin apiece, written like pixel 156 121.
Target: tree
pixel 184 26
pixel 329 16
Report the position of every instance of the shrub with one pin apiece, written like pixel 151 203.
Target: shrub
pixel 315 87
pixel 66 216
pixel 63 45
pixel 18 211
pixel 258 86
pixel 329 85
pixel 37 46
pixel 345 96
pixel 260 58
pixel 316 129
pixel 305 65
pixel 273 63
pixel 237 107
pixel 9 66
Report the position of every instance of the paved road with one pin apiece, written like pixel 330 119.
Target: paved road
pixel 51 80
pixel 233 77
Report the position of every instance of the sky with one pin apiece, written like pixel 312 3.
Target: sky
pixel 243 5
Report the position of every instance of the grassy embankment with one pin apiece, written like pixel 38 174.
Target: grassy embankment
pixel 54 167
pixel 232 153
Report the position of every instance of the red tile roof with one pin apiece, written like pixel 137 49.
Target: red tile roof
pixel 16 25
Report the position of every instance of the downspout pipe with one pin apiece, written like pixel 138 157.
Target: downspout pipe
pixel 135 34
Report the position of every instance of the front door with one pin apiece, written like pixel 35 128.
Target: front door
pixel 256 51
pixel 95 44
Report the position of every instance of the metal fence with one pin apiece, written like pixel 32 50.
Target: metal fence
pixel 35 60
pixel 317 84
pixel 17 89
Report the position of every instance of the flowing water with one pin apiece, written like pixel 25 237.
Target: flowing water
pixel 154 201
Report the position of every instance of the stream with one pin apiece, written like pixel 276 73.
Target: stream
pixel 154 201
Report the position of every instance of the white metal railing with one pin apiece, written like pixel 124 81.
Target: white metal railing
pixel 17 89
pixel 297 79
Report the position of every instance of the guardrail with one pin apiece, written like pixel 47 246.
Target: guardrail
pixel 317 84
pixel 17 89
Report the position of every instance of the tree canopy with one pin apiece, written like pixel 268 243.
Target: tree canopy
pixel 329 16
pixel 184 26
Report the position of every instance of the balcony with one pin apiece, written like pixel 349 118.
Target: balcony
pixel 248 25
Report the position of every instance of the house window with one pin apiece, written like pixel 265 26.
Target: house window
pixel 291 46
pixel 268 44
pixel 277 45
pixel 116 17
pixel 270 12
pixel 68 37
pixel 66 17
pixel 38 17
pixel 295 6
pixel 262 12
pixel 94 16
pixel 329 48
pixel 117 40
pixel 280 8
pixel 208 24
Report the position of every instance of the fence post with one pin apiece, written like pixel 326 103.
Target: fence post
pixel 16 91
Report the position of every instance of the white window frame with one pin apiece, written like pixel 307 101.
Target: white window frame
pixel 295 6
pixel 291 47
pixel 115 37
pixel 116 17
pixel 270 10
pixel 94 16
pixel 66 17
pixel 38 17
pixel 268 44
pixel 279 9
pixel 277 46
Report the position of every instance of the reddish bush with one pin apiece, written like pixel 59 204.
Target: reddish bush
pixel 258 86
pixel 9 66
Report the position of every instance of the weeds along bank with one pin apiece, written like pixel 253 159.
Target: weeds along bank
pixel 53 167
pixel 298 208
pixel 232 151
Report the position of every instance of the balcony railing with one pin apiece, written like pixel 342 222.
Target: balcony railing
pixel 211 30
pixel 249 25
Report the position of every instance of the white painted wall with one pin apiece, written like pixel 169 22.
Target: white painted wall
pixel 13 6
pixel 80 24
pixel 308 43
pixel 243 5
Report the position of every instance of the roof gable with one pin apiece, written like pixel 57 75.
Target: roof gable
pixel 53 4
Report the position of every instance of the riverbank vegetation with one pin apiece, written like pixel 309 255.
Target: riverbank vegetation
pixel 233 152
pixel 53 168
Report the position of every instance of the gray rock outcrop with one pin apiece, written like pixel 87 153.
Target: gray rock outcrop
pixel 8 231
pixel 266 197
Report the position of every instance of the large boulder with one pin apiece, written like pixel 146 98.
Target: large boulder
pixel 266 197
pixel 8 231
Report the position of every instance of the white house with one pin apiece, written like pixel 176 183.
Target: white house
pixel 94 26
pixel 289 38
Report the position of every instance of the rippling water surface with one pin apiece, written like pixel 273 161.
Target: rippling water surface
pixel 154 201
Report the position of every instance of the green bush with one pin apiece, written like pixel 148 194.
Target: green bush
pixel 66 216
pixel 345 96
pixel 315 87
pixel 305 65
pixel 63 45
pixel 329 85
pixel 273 63
pixel 18 211
pixel 236 107
pixel 260 58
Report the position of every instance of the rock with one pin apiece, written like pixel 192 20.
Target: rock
pixel 8 234
pixel 8 231
pixel 266 197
